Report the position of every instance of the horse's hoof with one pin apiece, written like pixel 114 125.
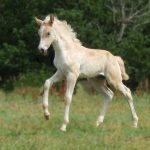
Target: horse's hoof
pixel 98 123
pixel 63 129
pixel 134 125
pixel 46 117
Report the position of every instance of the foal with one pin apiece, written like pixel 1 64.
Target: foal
pixel 74 61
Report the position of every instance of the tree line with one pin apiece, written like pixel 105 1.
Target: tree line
pixel 120 26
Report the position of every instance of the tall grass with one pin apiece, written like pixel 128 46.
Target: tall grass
pixel 22 125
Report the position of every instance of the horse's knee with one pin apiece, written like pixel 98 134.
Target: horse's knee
pixel 108 93
pixel 125 91
pixel 108 97
pixel 46 84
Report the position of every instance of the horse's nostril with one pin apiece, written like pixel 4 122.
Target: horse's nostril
pixel 42 50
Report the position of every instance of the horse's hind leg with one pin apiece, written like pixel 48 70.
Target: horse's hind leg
pixel 127 93
pixel 108 95
pixel 101 86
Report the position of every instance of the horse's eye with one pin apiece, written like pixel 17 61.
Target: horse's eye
pixel 48 33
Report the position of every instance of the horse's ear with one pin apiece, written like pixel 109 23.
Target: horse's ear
pixel 51 21
pixel 38 21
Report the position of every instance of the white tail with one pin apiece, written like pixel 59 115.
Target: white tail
pixel 124 75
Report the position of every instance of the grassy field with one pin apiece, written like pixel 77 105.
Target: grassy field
pixel 22 125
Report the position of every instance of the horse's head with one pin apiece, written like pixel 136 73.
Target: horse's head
pixel 45 33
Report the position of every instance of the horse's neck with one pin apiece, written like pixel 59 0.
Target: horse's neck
pixel 63 46
pixel 59 47
pixel 62 42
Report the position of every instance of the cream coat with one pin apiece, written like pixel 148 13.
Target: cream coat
pixel 74 61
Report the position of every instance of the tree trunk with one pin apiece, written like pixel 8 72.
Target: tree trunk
pixel 121 33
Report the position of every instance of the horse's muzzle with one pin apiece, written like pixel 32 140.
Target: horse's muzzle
pixel 43 51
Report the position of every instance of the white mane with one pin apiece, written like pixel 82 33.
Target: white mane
pixel 67 29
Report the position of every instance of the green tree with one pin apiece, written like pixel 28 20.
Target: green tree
pixel 99 24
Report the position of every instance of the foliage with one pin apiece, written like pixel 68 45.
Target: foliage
pixel 34 79
pixel 93 22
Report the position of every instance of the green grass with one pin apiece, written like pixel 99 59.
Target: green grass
pixel 22 125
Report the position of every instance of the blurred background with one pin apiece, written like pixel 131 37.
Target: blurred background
pixel 119 26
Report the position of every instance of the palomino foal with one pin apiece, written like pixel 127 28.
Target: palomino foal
pixel 72 61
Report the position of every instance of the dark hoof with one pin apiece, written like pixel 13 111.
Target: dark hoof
pixel 46 117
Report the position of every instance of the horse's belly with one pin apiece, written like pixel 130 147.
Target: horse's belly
pixel 91 71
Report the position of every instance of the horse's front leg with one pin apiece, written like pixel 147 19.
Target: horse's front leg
pixel 71 81
pixel 48 83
